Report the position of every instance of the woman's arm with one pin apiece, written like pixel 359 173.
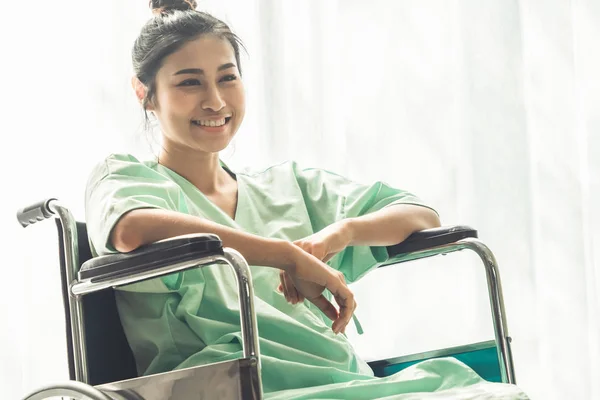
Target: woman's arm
pixel 148 225
pixel 386 227
pixel 390 225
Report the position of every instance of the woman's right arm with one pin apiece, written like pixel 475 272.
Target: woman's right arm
pixel 147 225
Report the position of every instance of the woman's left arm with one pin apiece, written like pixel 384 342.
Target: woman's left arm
pixel 390 225
pixel 386 227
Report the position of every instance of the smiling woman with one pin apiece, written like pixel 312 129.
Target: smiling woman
pixel 286 221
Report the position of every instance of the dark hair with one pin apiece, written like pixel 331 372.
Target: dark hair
pixel 175 23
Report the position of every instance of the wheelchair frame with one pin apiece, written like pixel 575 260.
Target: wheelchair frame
pixel 420 245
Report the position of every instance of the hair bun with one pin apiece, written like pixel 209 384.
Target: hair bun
pixel 164 6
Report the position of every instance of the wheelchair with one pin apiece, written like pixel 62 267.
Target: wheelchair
pixel 101 364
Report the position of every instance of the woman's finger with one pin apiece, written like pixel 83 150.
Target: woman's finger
pixel 325 305
pixel 283 286
pixel 345 300
pixel 315 249
pixel 328 257
pixel 280 287
pixel 290 282
pixel 344 317
pixel 291 289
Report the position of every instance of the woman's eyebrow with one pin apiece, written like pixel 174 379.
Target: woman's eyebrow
pixel 201 71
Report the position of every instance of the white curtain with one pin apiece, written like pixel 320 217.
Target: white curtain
pixel 487 110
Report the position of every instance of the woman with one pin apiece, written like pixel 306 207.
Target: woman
pixel 286 221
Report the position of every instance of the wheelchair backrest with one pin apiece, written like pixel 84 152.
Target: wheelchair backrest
pixel 109 357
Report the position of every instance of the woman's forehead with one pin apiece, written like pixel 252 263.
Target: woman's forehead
pixel 206 52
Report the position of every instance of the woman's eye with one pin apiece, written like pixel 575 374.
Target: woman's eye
pixel 229 78
pixel 190 82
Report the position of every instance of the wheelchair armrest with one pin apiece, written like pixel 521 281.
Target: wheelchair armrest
pixel 151 257
pixel 430 238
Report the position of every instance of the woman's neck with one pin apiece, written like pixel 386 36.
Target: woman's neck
pixel 203 170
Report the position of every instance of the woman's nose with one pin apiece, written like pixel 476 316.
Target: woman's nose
pixel 213 100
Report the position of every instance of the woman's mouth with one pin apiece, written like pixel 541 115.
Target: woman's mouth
pixel 211 123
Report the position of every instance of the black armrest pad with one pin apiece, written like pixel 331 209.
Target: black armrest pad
pixel 152 256
pixel 429 238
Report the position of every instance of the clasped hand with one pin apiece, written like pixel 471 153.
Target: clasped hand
pixel 301 283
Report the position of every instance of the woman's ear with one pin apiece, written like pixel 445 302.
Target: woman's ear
pixel 140 92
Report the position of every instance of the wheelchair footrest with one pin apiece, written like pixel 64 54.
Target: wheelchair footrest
pixel 237 379
pixel 481 357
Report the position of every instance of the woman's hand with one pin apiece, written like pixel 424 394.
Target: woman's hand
pixel 310 277
pixel 324 245
pixel 329 241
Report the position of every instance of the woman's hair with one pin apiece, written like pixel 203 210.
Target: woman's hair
pixel 175 23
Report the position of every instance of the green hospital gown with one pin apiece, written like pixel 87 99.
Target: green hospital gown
pixel 192 317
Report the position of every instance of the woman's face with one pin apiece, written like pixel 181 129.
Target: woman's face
pixel 199 99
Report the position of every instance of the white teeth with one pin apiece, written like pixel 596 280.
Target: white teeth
pixel 220 122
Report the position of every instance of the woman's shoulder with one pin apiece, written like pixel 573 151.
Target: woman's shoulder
pixel 116 162
pixel 121 164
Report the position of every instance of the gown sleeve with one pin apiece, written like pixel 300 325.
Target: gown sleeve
pixel 118 185
pixel 330 198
